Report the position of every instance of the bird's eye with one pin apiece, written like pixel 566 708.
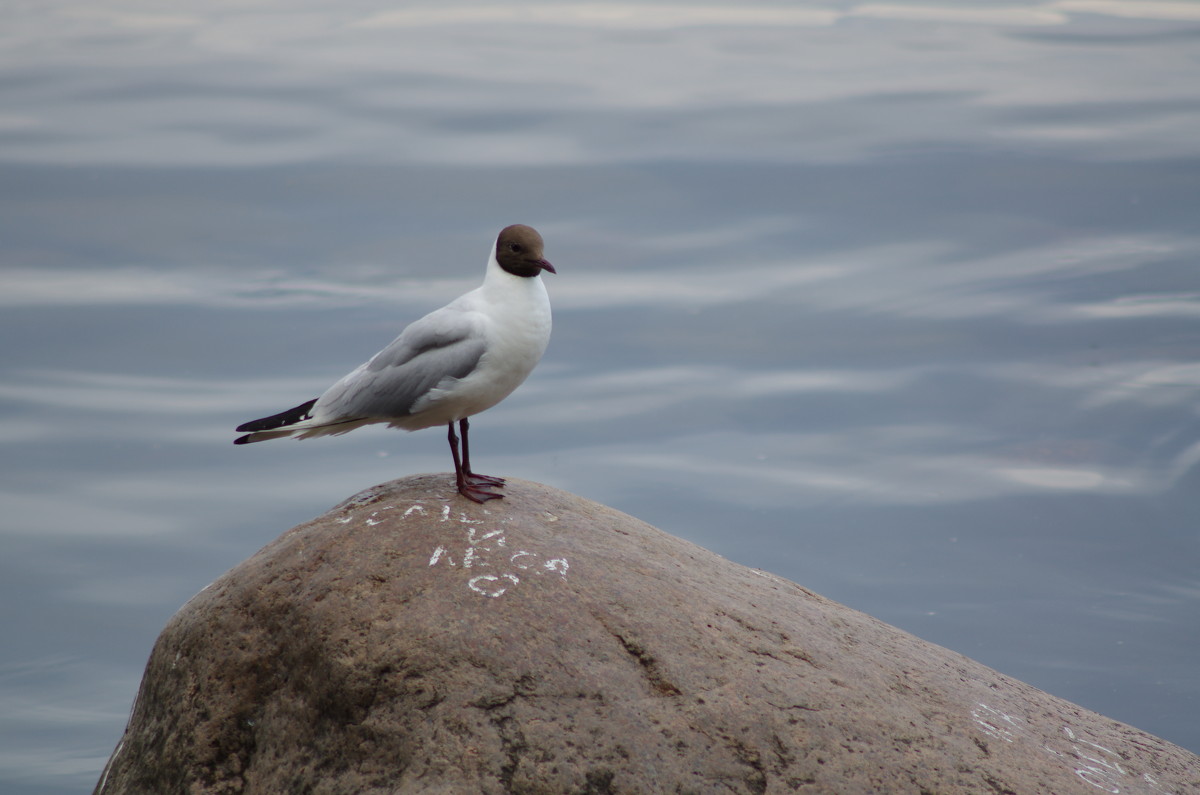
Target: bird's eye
pixel 514 247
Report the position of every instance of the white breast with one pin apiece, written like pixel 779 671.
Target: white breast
pixel 514 314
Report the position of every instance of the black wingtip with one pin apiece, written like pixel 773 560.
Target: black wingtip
pixel 275 420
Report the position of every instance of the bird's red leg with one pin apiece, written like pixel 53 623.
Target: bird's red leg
pixel 472 478
pixel 472 491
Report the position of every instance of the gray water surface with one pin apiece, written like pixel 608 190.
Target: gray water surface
pixel 896 301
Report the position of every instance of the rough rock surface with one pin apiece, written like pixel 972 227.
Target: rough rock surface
pixel 412 642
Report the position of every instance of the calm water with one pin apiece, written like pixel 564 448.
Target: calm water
pixel 897 302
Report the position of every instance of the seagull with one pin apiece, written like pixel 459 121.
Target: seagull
pixel 450 365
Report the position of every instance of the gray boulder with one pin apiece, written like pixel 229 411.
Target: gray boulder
pixel 409 641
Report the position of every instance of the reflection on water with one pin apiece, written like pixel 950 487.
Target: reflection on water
pixel 251 84
pixel 893 300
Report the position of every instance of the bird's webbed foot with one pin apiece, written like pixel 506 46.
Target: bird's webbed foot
pixel 484 480
pixel 476 492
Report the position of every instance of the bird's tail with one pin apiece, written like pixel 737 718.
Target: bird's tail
pixel 297 422
pixel 254 429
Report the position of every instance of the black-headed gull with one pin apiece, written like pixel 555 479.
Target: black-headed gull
pixel 451 364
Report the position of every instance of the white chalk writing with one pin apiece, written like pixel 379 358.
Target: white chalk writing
pixel 486 584
pixel 485 546
pixel 1091 762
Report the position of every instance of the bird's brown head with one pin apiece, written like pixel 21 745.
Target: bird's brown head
pixel 519 251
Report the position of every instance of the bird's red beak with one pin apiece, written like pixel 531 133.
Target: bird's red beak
pixel 546 266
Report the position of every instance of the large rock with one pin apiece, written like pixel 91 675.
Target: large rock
pixel 411 642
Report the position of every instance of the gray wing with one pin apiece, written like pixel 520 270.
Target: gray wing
pixel 447 343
